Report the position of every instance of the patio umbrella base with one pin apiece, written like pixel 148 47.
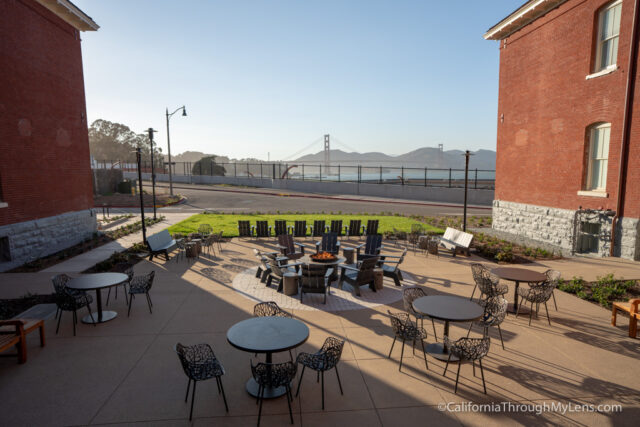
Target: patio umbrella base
pixel 437 351
pixel 106 316
pixel 269 393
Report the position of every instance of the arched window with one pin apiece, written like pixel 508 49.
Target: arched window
pixel 598 156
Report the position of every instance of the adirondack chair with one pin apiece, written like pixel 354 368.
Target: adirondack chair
pixel 279 267
pixel 244 229
pixel 454 240
pixel 391 267
pixel 336 227
pixel 288 247
pixel 359 276
pixel 263 268
pixel 299 228
pixel 372 247
pixel 315 279
pixel 280 227
pixel 318 228
pixel 372 227
pixel 329 243
pixel 263 229
pixel 354 228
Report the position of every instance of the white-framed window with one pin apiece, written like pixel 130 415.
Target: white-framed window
pixel 608 34
pixel 598 157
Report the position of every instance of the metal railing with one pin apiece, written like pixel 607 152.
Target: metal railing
pixel 397 175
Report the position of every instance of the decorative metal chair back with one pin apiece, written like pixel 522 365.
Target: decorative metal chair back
pixel 336 227
pixel 400 323
pixel 365 271
pixel 469 348
pixel 274 374
pixel 495 310
pixel 205 229
pixel 199 362
pixel 318 227
pixel 280 227
pixel 286 240
pixel 552 276
pixel 329 243
pixel 60 283
pixel 124 267
pixel 488 284
pixel 143 282
pixel 354 227
pixel 373 244
pixel 300 228
pixel 372 226
pixel 331 352
pixel 313 276
pixel 269 308
pixel 479 272
pixel 244 229
pixel 262 229
pixel 409 295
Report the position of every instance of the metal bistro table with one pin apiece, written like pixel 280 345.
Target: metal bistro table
pixel 450 309
pixel 96 282
pixel 518 275
pixel 267 335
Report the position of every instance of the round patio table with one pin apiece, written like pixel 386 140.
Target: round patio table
pixel 518 275
pixel 267 335
pixel 97 282
pixel 450 309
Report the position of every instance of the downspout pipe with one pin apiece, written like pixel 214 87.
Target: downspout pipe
pixel 626 125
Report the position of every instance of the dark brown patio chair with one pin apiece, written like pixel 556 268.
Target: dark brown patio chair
pixel 372 246
pixel 288 247
pixel 244 229
pixel 141 285
pixel 411 294
pixel 324 360
pixel 391 267
pixel 536 295
pixel 299 228
pixel 372 227
pixel 274 375
pixel 354 228
pixel 280 227
pixel 264 268
pixel 70 300
pixel 279 267
pixel 468 350
pixel 318 228
pixel 489 284
pixel 262 229
pixel 495 310
pixel 329 243
pixel 359 276
pixel 336 227
pixel 315 279
pixel 405 329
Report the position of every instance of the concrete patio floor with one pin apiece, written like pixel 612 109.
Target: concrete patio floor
pixel 125 371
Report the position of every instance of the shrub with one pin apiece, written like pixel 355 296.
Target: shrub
pixel 573 286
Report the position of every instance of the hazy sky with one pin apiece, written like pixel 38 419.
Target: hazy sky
pixel 274 76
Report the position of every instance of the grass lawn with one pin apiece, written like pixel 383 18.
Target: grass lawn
pixel 228 223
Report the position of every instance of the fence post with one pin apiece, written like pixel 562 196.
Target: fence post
pixel 303 171
pixel 402 175
pixel 359 174
pixel 425 176
pixel 338 173
pixel 380 174
pixel 320 172
pixel 476 180
pixel 260 170
pixel 247 169
pixel 235 170
pixel 449 177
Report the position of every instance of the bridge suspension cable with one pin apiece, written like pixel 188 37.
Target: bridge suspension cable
pixel 297 153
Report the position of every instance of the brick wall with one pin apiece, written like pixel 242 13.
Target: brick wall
pixel 547 105
pixel 44 149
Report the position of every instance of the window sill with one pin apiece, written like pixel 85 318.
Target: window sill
pixel 610 69
pixel 4 204
pixel 591 193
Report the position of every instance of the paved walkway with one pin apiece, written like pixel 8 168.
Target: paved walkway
pixel 126 371
pixel 89 259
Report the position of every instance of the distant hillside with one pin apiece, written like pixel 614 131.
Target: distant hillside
pixel 422 157
pixel 193 156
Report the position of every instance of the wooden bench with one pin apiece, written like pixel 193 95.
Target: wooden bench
pixel 631 308
pixel 13 334
pixel 454 240
pixel 161 243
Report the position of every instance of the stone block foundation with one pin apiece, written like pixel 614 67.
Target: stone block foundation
pixel 558 227
pixel 30 240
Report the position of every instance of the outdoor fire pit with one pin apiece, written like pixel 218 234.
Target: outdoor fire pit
pixel 323 257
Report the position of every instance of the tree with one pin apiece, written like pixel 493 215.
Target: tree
pixel 207 166
pixel 110 141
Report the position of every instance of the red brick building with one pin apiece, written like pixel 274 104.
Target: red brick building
pixel 568 149
pixel 45 176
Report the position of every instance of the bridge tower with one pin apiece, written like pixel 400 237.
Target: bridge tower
pixel 327 153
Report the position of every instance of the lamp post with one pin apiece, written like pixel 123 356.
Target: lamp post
pixel 466 155
pixel 184 113
pixel 153 172
pixel 139 162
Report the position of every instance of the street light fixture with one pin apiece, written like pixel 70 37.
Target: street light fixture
pixel 184 114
